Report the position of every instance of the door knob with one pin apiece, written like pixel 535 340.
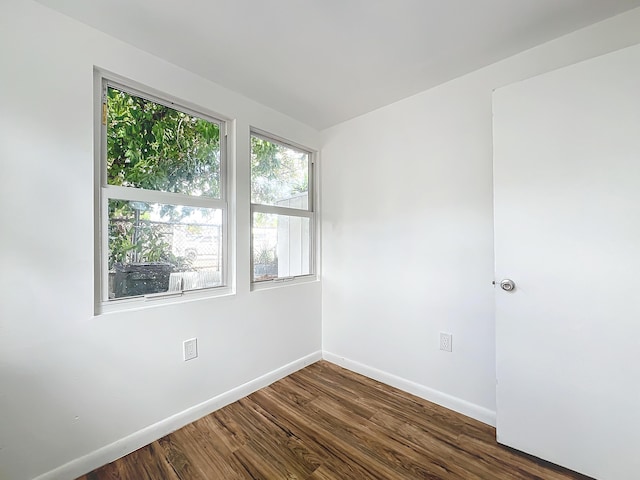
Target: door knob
pixel 507 285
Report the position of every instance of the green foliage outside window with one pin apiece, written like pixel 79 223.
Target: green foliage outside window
pixel 155 147
pixel 277 172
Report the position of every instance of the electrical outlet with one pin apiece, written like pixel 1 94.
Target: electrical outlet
pixel 445 341
pixel 190 349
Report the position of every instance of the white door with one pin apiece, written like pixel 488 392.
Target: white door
pixel 567 232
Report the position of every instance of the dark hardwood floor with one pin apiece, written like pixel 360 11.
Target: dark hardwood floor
pixel 327 423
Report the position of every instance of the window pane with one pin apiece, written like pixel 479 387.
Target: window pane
pixel 281 246
pixel 158 248
pixel 279 175
pixel 155 147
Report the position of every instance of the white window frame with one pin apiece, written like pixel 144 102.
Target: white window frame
pixel 309 213
pixel 104 192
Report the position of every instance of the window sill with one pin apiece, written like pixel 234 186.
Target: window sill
pixel 156 300
pixel 283 282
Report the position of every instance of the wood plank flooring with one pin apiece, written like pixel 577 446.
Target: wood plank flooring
pixel 327 423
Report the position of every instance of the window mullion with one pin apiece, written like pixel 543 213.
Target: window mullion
pixel 154 196
pixel 272 209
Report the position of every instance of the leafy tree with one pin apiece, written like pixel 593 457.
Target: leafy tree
pixel 155 147
pixel 277 172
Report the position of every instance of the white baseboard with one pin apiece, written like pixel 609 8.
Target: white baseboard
pixel 126 445
pixel 456 404
pixel 131 443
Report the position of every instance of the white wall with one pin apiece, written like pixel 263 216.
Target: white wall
pixel 408 228
pixel 407 248
pixel 71 383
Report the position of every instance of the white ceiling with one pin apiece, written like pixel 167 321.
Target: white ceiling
pixel 325 61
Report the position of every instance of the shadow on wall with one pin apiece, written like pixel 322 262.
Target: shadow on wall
pixel 44 408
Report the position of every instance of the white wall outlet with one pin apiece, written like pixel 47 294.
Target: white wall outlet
pixel 190 349
pixel 445 341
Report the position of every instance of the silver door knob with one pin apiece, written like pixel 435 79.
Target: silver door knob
pixel 507 285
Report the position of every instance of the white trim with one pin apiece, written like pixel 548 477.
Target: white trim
pixel 165 298
pixel 270 137
pixel 282 281
pixel 158 96
pixel 104 192
pixel 156 196
pixel 276 210
pixel 310 212
pixel 147 435
pixel 456 404
pixel 126 445
pixel 99 292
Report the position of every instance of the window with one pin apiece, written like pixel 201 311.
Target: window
pixel 163 209
pixel 282 213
